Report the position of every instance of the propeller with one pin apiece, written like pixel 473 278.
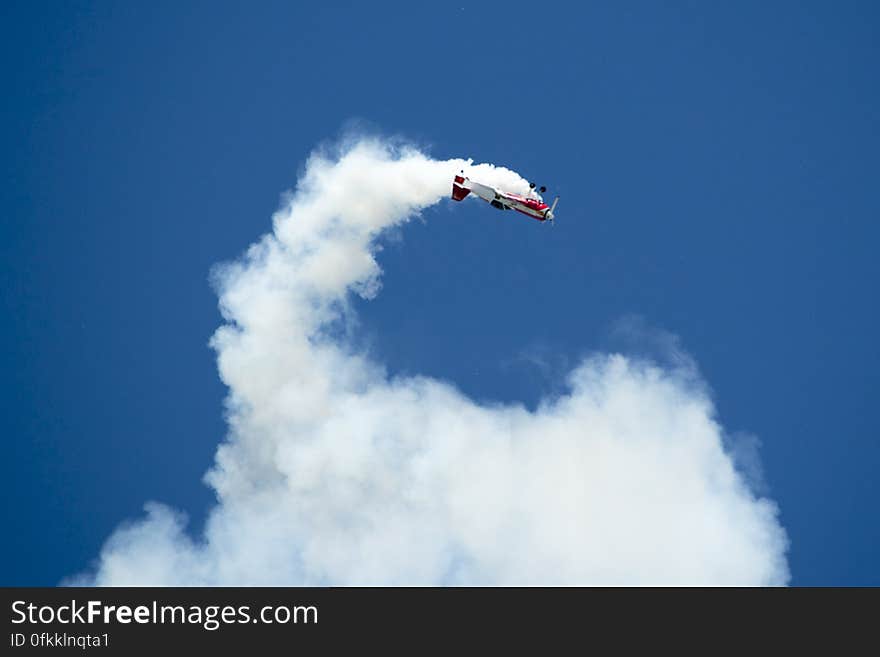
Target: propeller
pixel 550 213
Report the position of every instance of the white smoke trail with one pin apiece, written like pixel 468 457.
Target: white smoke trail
pixel 334 473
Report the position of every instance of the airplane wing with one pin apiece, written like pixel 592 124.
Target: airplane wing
pixel 483 191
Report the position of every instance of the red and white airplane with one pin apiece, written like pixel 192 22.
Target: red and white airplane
pixel 532 205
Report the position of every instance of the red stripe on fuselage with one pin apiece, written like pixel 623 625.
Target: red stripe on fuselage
pixel 529 214
pixel 531 203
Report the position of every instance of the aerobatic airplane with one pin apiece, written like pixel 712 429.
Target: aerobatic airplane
pixel 532 205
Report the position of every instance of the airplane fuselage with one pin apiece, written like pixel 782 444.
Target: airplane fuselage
pixel 533 207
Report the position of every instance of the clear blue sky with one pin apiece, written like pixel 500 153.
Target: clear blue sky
pixel 718 165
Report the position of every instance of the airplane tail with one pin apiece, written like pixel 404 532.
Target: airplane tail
pixel 459 191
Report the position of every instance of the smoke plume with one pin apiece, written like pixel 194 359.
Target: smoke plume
pixel 335 473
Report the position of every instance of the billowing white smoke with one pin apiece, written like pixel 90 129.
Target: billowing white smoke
pixel 334 473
